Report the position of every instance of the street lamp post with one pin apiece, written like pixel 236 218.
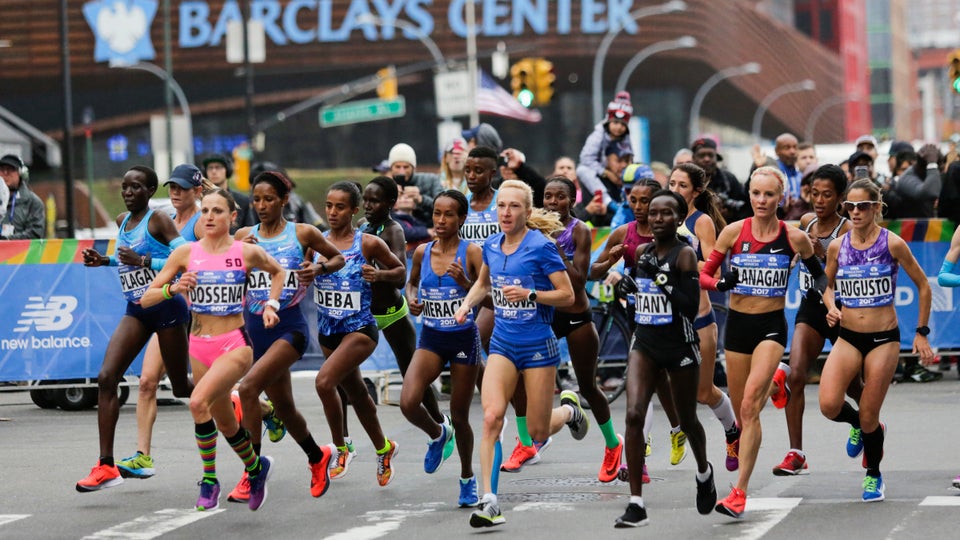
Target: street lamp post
pixel 749 68
pixel 805 85
pixel 685 42
pixel 175 88
pixel 822 108
pixel 669 7
pixel 369 18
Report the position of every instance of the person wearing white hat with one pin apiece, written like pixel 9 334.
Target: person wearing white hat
pixel 421 187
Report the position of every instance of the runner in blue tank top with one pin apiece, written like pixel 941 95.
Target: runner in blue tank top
pixel 823 225
pixel 481 222
pixel 576 325
pixel 145 240
pixel 276 349
pixel 440 275
pixel 761 249
pixel 862 272
pixel 347 330
pixel 701 224
pixel 523 270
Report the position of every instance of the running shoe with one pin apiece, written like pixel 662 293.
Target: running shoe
pixel 623 474
pixel 855 442
pixel 579 423
pixel 678 447
pixel 452 443
pixel 706 493
pixel 273 425
pixel 138 465
pixel 792 465
pixel 648 451
pixel 733 449
pixel 873 488
pixel 468 492
pixel 487 514
pixel 525 455
pixel 612 457
pixel 241 493
pixel 339 465
pixel 320 473
pixel 434 457
pixel 237 407
pixel 635 516
pixel 101 476
pixel 258 484
pixel 645 475
pixel 920 374
pixel 782 395
pixel 209 498
pixel 734 504
pixel 956 482
pixel 384 465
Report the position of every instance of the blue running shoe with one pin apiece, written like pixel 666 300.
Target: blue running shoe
pixel 274 427
pixel 855 442
pixel 138 465
pixel 258 483
pixel 468 492
pixel 452 443
pixel 434 457
pixel 873 488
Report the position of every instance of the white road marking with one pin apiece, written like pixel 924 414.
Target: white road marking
pixel 10 518
pixel 544 507
pixel 153 525
pixel 773 511
pixel 383 522
pixel 941 501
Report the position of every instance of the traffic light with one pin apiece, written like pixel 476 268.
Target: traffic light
pixel 387 89
pixel 522 81
pixel 953 70
pixel 544 77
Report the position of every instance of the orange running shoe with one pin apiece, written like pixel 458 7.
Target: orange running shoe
pixel 611 462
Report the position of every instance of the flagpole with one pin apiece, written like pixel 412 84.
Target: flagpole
pixel 471 19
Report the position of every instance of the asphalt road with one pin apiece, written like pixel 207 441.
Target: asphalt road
pixel 45 452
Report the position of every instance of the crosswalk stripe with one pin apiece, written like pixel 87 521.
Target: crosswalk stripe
pixel 774 510
pixel 941 501
pixel 10 518
pixel 152 525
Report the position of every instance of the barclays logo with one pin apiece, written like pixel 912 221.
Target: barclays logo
pixel 122 30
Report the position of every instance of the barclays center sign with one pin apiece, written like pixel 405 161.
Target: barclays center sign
pixel 122 26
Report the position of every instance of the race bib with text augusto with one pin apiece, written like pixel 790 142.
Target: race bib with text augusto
pixel 867 285
pixel 335 298
pixel 761 274
pixel 524 310
pixel 652 306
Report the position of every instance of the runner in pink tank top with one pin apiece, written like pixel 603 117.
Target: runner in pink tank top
pixel 214 279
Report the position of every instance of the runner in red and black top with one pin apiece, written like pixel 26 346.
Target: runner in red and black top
pixel 761 250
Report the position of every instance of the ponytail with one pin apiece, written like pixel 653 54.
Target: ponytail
pixel 545 222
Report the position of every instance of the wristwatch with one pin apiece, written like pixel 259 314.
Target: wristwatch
pixel 275 304
pixel 532 297
pixel 923 330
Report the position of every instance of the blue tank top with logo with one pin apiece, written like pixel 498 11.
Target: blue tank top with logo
pixel 482 224
pixel 530 267
pixel 442 295
pixel 764 266
pixel 343 297
pixel 188 232
pixel 286 249
pixel 134 280
pixel 866 277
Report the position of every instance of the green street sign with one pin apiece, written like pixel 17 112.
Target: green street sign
pixel 366 110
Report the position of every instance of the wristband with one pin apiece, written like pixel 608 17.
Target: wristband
pixel 323 266
pixel 112 261
pixel 275 304
pixel 166 291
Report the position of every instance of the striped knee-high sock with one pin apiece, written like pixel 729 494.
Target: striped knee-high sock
pixel 240 442
pixel 206 434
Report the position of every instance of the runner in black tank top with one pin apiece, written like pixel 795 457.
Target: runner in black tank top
pixel 761 248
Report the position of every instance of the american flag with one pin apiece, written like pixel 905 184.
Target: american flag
pixel 493 99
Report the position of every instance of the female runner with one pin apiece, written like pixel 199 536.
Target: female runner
pixel 811 331
pixel 347 330
pixel 761 249
pixel 700 225
pixel 145 240
pixel 527 277
pixel 862 269
pixel 667 297
pixel 214 275
pixel 440 277
pixel 623 243
pixel 276 349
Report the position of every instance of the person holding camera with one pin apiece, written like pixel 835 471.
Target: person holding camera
pixel 25 216
pixel 917 189
pixel 420 187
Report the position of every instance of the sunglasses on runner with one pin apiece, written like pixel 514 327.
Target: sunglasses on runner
pixel 862 206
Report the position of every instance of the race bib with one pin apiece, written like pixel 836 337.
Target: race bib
pixel 525 310
pixel 652 306
pixel 335 299
pixel 868 285
pixel 439 306
pixel 761 274
pixel 134 282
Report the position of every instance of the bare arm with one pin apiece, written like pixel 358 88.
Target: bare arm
pixel 391 269
pixel 413 282
pixel 611 254
pixel 900 251
pixel 176 263
pixel 479 291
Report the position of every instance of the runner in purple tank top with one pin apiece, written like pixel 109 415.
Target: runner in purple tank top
pixel 862 272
